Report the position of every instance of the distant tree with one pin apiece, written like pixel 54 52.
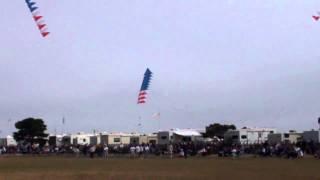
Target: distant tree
pixel 31 130
pixel 218 130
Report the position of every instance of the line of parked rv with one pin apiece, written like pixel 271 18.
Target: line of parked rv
pixel 161 137
pixel 239 136
pixel 261 135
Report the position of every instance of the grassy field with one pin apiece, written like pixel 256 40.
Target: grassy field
pixel 26 168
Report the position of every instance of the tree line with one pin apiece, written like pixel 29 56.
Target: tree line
pixel 33 131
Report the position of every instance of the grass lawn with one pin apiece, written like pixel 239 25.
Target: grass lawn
pixel 56 168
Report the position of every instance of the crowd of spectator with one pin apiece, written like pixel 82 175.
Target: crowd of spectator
pixel 184 150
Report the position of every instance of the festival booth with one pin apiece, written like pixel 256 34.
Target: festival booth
pixel 186 135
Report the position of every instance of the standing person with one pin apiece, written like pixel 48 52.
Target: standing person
pixel 299 152
pixel 138 150
pixel 85 149
pixel 76 151
pixel 185 151
pixel 142 151
pixel 121 148
pixel 234 152
pixel 92 151
pixel 264 151
pixel 170 148
pixel 181 153
pixel 106 152
pixel 132 151
pixel 146 150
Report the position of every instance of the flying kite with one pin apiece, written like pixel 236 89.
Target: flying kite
pixel 316 17
pixel 37 18
pixel 144 87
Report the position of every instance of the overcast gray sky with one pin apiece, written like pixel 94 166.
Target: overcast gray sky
pixel 249 62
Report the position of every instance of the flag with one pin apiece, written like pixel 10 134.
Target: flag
pixel 319 120
pixel 144 87
pixel 63 121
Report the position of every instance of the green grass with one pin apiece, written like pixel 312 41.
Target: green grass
pixel 26 168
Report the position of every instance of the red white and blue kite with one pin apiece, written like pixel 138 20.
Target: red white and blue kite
pixel 144 87
pixel 37 18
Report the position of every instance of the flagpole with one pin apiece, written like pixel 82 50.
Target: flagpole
pixel 139 124
pixel 9 124
pixel 63 125
pixel 156 117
